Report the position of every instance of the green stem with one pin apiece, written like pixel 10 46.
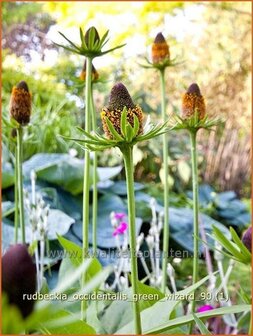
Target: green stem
pixel 195 209
pixel 16 196
pixel 128 160
pixel 95 181
pixel 20 182
pixel 166 188
pixel 86 179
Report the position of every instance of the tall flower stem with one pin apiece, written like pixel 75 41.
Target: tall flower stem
pixel 195 190
pixel 128 160
pixel 166 187
pixel 20 181
pixel 86 177
pixel 95 181
pixel 16 197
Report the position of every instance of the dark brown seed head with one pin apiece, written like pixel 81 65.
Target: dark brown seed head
pixel 19 277
pixel 94 73
pixel 247 238
pixel 160 49
pixel 87 34
pixel 21 103
pixel 23 85
pixel 194 89
pixel 120 98
pixel 159 38
pixel 193 101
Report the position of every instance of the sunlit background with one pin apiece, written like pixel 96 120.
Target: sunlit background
pixel 212 40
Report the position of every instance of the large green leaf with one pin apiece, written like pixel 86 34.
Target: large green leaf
pixel 161 311
pixel 189 318
pixel 106 204
pixel 203 329
pixel 64 170
pixel 120 312
pixel 74 253
pixel 75 326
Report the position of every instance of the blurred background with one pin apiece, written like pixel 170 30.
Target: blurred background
pixel 213 41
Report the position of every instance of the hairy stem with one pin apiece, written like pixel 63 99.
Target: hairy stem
pixel 166 188
pixel 95 181
pixel 86 179
pixel 128 160
pixel 20 181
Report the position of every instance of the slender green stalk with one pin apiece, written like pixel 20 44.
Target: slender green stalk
pixel 166 188
pixel 95 181
pixel 195 190
pixel 128 160
pixel 20 182
pixel 16 196
pixel 86 179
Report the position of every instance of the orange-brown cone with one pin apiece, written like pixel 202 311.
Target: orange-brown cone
pixel 21 103
pixel 160 49
pixel 120 98
pixel 94 73
pixel 193 101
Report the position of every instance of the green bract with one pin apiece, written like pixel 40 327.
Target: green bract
pixel 193 124
pixel 96 142
pixel 161 65
pixel 91 44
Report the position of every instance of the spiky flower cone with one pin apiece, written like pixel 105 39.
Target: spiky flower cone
pixel 21 103
pixel 193 101
pixel 94 72
pixel 120 98
pixel 19 277
pixel 160 49
pixel 247 238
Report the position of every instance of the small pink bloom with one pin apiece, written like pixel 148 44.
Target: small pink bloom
pixel 120 229
pixel 205 308
pixel 119 215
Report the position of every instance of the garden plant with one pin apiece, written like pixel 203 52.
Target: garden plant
pixel 109 226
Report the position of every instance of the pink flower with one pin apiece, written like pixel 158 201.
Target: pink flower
pixel 205 308
pixel 120 229
pixel 119 215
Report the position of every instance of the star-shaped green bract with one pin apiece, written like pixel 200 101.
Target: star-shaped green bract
pixel 97 142
pixel 91 44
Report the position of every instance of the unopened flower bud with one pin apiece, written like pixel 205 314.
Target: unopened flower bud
pixel 19 277
pixel 193 102
pixel 21 103
pixel 160 49
pixel 94 73
pixel 120 98
pixel 87 36
pixel 247 238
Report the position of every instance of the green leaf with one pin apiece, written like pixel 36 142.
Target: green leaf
pixel 66 323
pixel 160 312
pixel 189 318
pixel 240 244
pixel 7 175
pixel 203 329
pixel 75 255
pixel 120 312
pixel 227 244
